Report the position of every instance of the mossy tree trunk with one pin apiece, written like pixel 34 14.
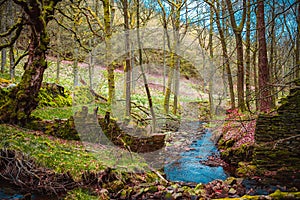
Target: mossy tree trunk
pixel 23 98
pixel 108 19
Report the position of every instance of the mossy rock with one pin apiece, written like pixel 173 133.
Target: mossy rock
pixel 4 92
pixel 285 195
pixel 225 144
pixel 60 128
pixel 245 169
pixel 54 95
pixel 82 95
pixel 235 155
pixel 120 138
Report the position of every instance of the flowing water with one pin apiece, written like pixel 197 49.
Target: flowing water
pixel 188 167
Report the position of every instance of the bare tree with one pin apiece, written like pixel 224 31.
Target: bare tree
pixel 248 56
pixel 224 49
pixel 237 29
pixel 150 102
pixel 127 68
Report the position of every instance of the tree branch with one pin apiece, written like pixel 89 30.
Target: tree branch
pixel 13 39
pixel 20 58
pixel 75 34
pixel 12 28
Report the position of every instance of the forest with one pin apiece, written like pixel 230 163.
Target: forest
pixel 149 99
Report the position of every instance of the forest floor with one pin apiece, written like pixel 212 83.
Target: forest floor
pixel 48 167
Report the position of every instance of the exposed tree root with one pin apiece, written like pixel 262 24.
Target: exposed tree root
pixel 25 173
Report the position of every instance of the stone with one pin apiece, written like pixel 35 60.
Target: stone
pixel 232 191
pixel 277 138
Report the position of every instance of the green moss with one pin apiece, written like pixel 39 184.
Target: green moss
pixel 52 113
pixel 81 194
pixel 63 129
pixel 151 177
pixel 285 195
pixel 229 143
pixel 54 96
pixel 53 153
pixel 116 186
pixel 245 169
pixel 4 96
pixel 82 96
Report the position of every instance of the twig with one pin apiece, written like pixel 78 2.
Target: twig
pixel 284 139
pixel 158 174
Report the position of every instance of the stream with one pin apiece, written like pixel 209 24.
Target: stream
pixel 189 167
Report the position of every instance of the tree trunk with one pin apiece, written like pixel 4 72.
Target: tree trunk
pixel 58 59
pixel 142 69
pixel 10 15
pixel 75 56
pixel 224 50
pixel 254 57
pixel 263 70
pixel 57 68
pixel 239 48
pixel 176 27
pixel 127 68
pixel 164 62
pixel 248 57
pixel 240 73
pixel 3 60
pixel 211 54
pixel 75 67
pixel 110 68
pixel 169 83
pixel 11 63
pixel 91 65
pixel 23 98
pixel 2 30
pixel 272 63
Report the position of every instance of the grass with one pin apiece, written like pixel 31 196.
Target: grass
pixel 51 113
pixel 81 194
pixel 66 156
pixel 100 86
